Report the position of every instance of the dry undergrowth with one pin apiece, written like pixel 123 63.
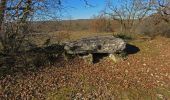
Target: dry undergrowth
pixel 145 75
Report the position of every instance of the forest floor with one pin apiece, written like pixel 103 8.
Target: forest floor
pixel 144 75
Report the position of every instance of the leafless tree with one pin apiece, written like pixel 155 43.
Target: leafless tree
pixel 101 23
pixel 162 8
pixel 129 12
pixel 158 22
pixel 15 19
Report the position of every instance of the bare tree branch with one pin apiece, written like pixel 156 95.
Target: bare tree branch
pixel 129 12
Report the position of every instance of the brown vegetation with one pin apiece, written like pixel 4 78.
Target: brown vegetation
pixel 102 24
pixel 154 25
pixel 144 75
pixel 32 64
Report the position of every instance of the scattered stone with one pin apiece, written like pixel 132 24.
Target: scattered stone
pixel 144 64
pixel 160 96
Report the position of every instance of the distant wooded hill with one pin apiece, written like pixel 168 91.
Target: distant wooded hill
pixel 72 25
pixel 152 25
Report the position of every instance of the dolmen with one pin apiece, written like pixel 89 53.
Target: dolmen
pixel 96 45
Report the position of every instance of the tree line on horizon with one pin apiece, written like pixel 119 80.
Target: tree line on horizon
pixel 151 17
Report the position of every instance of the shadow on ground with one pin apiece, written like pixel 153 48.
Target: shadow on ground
pixel 131 49
pixel 98 56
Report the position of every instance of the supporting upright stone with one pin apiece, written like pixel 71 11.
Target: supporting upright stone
pixel 113 57
pixel 87 58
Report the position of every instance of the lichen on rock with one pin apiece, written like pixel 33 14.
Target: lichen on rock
pixel 97 44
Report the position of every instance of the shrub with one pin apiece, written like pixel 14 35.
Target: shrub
pixel 23 56
pixel 125 37
pixel 102 24
pixel 154 26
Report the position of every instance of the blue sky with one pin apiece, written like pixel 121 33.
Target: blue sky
pixel 77 9
pixel 74 9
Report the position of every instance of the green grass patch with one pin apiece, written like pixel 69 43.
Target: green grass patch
pixel 125 37
pixel 62 94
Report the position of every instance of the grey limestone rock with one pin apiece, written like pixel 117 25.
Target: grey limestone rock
pixel 97 44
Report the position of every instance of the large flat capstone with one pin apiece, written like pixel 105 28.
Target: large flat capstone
pixel 97 44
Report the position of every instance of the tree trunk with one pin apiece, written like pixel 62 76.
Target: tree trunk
pixel 2 12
